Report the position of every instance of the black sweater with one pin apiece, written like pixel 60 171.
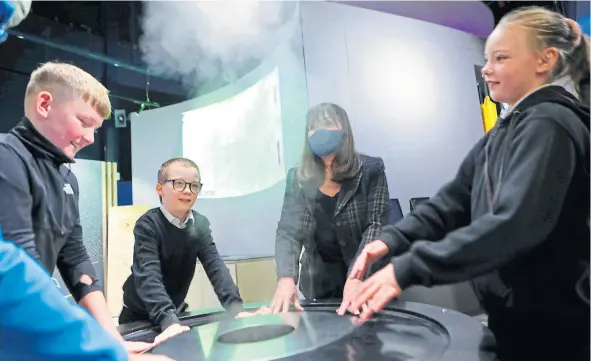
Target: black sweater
pixel 515 218
pixel 39 206
pixel 164 260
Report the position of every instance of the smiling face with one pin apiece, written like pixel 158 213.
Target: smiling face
pixel 513 67
pixel 70 124
pixel 179 188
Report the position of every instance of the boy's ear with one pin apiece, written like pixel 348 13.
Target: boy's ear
pixel 43 103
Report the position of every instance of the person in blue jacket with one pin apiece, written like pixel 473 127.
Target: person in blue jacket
pixel 38 323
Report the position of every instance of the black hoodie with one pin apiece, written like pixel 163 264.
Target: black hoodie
pixel 516 217
pixel 39 206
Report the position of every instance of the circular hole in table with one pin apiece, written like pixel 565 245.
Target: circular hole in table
pixel 255 334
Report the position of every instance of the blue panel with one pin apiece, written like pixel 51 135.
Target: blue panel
pixel 584 22
pixel 124 194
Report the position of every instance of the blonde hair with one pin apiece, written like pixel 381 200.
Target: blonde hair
pixel 551 29
pixel 65 81
pixel 163 171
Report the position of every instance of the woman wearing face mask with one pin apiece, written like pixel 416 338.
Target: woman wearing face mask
pixel 336 201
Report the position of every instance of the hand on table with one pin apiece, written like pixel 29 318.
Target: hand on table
pixel 285 293
pixel 373 294
pixel 133 357
pixel 351 285
pixel 261 311
pixel 264 310
pixel 245 314
pixel 133 347
pixel 372 252
pixel 171 331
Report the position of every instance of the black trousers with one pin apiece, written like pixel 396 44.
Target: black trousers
pixel 128 316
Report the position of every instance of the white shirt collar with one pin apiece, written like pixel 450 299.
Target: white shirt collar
pixel 175 221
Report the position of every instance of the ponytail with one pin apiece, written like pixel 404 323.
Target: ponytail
pixel 578 68
pixel 551 29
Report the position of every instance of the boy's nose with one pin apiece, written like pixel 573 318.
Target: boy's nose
pixel 88 137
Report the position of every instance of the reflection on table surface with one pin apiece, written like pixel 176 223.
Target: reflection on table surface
pixel 316 335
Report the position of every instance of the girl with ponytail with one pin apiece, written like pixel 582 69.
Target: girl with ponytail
pixel 515 219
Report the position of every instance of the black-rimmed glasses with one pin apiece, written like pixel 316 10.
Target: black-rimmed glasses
pixel 180 185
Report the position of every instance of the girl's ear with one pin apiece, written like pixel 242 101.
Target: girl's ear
pixel 546 61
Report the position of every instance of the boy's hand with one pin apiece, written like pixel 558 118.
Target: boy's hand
pixel 149 358
pixel 261 311
pixel 264 310
pixel 171 331
pixel 245 314
pixel 133 347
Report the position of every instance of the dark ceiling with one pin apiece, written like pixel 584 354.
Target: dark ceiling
pixel 88 15
pixel 500 8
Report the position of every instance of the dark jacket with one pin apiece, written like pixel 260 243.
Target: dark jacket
pixel 164 260
pixel 361 211
pixel 516 216
pixel 39 206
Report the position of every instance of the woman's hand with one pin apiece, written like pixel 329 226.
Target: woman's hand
pixel 373 294
pixel 285 293
pixel 372 252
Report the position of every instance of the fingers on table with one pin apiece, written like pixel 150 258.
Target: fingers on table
pixel 378 301
pixel 359 266
pixel 296 304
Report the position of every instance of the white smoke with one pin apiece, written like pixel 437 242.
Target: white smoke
pixel 197 41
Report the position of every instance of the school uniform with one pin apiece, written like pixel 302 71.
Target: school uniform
pixel 39 206
pixel 331 230
pixel 165 255
pixel 515 220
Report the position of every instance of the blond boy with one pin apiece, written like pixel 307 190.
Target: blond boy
pixel 64 107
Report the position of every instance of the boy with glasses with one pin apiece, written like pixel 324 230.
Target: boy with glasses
pixel 168 241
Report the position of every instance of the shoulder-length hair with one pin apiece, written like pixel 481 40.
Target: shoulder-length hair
pixel 347 162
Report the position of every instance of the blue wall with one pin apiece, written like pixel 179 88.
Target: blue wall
pixel 124 194
pixel 410 89
pixel 411 95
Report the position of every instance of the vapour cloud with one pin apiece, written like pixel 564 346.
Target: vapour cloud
pixel 196 41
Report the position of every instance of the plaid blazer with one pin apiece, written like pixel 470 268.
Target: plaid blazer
pixel 361 211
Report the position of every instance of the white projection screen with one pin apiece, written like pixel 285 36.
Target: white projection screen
pixel 238 141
